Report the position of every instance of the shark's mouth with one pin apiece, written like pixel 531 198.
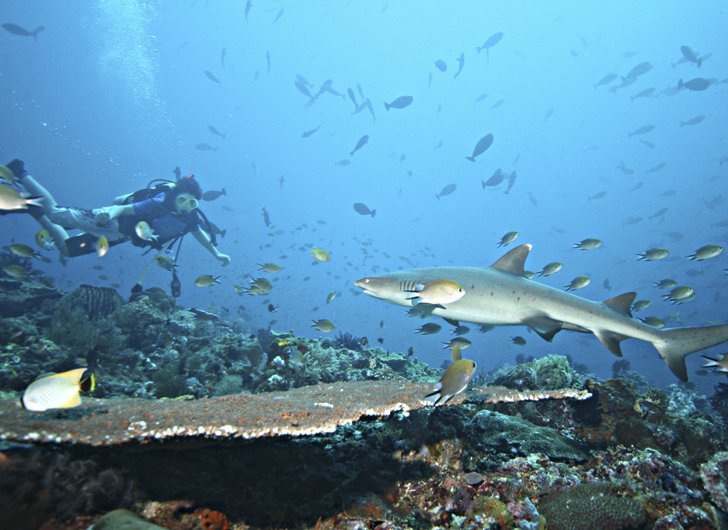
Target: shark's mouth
pixel 362 285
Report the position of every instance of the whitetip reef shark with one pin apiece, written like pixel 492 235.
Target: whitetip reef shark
pixel 501 295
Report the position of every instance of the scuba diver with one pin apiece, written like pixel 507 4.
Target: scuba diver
pixel 156 217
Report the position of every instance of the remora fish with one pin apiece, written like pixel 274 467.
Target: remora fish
pixel 501 295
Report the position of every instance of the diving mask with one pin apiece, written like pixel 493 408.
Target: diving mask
pixel 186 203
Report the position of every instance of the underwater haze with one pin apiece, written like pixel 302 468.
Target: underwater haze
pixel 608 122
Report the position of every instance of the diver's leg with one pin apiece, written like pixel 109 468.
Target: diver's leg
pixel 56 231
pixel 34 188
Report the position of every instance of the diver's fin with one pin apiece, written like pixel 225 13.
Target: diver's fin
pixel 514 261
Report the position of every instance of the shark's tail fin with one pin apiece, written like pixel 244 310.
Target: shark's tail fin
pixel 676 344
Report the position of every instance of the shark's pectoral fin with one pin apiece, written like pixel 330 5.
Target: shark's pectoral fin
pixel 545 327
pixel 611 340
pixel 514 262
pixel 622 303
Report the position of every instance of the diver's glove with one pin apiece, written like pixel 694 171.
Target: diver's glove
pixel 17 166
pixel 224 258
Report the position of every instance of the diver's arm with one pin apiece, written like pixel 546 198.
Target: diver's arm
pixel 108 213
pixel 205 241
pixel 121 198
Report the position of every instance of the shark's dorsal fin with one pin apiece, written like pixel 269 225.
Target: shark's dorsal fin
pixel 514 261
pixel 456 354
pixel 452 322
pixel 622 303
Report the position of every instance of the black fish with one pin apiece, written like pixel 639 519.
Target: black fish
pixel 605 80
pixel 692 121
pixel 211 195
pixel 370 108
pixel 248 5
pixel 22 32
pixel 205 147
pixel 697 84
pixel 302 88
pixel 361 143
pixel 489 43
pixel 641 130
pixel 481 147
pixel 441 65
pixel 495 179
pixel 278 16
pixel 638 70
pixel 461 63
pixel 363 209
pixel 399 103
pixel 308 133
pixel 211 77
pixel 511 180
pixel 266 217
pixel 214 131
pixel 267 57
pixel 597 195
pixel 215 230
pixel 447 190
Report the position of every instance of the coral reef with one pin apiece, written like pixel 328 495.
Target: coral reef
pixel 272 430
pixel 590 506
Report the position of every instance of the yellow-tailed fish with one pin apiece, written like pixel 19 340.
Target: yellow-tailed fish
pixel 460 343
pixel 102 246
pixel 706 252
pixel 207 280
pixel 588 244
pixel 11 199
pixel 58 391
pixel 269 267
pixel 324 325
pixel 44 240
pixel 320 254
pixel 656 322
pixel 6 174
pixel 454 380
pixel 550 268
pixel 258 287
pixel 720 365
pixel 441 292
pixel 331 297
pixel 24 251
pixel 16 271
pixel 165 262
pixel 578 283
pixel 508 238
pixel 145 232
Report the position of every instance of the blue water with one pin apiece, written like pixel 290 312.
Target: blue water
pixel 113 94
